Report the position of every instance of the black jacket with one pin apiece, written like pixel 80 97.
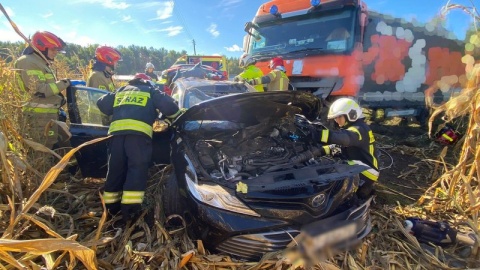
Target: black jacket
pixel 134 108
pixel 357 143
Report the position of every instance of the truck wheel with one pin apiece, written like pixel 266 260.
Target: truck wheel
pixel 173 203
pixel 422 117
pixel 378 116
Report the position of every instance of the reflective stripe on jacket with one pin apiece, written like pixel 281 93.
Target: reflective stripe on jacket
pixel 134 108
pixel 357 143
pixel 252 72
pixel 276 80
pixel 97 79
pixel 35 77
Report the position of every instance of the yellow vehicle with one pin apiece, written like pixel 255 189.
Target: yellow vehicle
pixel 217 62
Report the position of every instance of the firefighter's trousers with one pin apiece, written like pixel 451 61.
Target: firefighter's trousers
pixel 128 161
pixel 36 120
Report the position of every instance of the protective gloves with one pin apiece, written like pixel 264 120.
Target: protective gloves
pixel 253 82
pixel 63 84
pixel 169 121
pixel 66 82
pixel 238 79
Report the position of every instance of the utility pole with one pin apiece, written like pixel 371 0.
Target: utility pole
pixel 194 50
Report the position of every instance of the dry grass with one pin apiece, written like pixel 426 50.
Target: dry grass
pixel 56 220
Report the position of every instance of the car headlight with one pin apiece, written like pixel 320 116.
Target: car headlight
pixel 214 195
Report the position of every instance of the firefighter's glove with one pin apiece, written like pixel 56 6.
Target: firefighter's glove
pixel 253 82
pixel 238 79
pixel 63 84
pixel 170 120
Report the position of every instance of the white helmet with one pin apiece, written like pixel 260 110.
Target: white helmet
pixel 149 65
pixel 246 60
pixel 347 107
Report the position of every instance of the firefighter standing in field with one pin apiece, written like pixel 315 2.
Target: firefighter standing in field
pixel 134 109
pixel 250 71
pixel 355 139
pixel 103 68
pixel 276 79
pixel 149 68
pixel 35 76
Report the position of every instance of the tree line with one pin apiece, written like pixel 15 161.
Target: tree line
pixel 133 61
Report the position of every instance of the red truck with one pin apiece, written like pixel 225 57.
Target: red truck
pixel 339 48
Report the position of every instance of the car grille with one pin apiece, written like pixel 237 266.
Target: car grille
pixel 253 246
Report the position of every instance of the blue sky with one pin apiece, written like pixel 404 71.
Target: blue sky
pixel 216 25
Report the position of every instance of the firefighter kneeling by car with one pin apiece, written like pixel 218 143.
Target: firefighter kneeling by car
pixel 134 109
pixel 355 139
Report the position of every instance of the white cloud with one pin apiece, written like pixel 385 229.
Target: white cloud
pixel 148 4
pixel 73 37
pixel 49 14
pixel 9 35
pixel 114 4
pixel 9 12
pixel 75 22
pixel 55 26
pixel 229 3
pixel 127 18
pixel 165 11
pixel 111 4
pixel 171 31
pixel 234 48
pixel 212 29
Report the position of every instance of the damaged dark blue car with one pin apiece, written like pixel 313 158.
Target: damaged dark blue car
pixel 246 180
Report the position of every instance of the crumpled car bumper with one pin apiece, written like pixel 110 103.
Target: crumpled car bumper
pixel 251 237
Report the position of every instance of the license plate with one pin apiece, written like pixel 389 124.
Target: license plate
pixel 334 236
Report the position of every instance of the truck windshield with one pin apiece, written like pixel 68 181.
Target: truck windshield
pixel 330 31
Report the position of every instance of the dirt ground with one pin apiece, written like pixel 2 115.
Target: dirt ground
pixel 407 161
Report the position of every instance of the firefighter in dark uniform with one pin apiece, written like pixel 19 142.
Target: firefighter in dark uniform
pixel 355 139
pixel 134 108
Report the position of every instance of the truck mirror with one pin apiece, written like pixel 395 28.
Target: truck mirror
pixel 248 26
pixel 245 43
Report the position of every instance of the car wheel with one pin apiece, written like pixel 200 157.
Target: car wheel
pixel 173 203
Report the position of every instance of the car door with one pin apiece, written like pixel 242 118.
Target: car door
pixel 87 123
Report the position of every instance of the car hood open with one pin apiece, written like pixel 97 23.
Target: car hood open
pixel 252 107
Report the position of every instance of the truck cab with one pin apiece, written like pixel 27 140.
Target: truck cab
pixel 336 48
pixel 319 43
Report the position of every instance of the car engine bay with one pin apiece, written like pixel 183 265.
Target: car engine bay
pixel 237 152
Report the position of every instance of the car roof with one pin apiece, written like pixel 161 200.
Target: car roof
pixel 190 65
pixel 212 86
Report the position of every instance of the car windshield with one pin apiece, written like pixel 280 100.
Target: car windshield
pixel 330 31
pixel 202 90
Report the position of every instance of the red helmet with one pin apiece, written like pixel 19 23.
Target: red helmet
pixel 108 55
pixel 142 76
pixel 43 40
pixel 447 136
pixel 275 62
